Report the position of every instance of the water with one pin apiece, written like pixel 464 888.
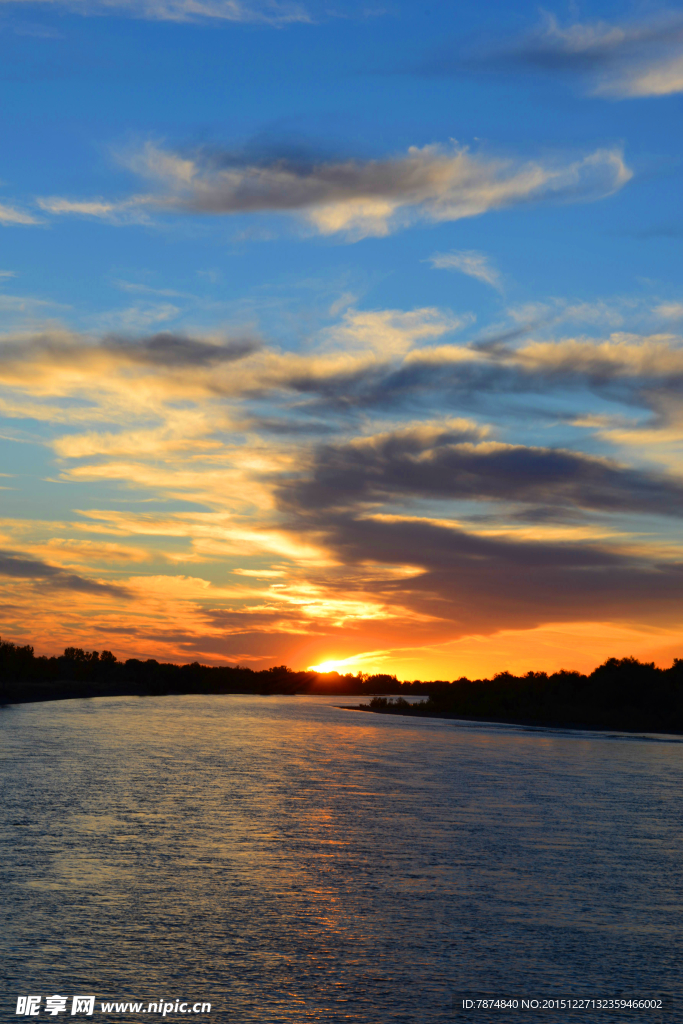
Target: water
pixel 289 861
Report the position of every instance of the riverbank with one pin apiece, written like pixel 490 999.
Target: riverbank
pixel 63 690
pixel 618 724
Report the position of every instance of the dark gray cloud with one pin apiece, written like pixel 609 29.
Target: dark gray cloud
pixel 479 583
pixel 484 584
pixel 303 428
pixel 18 566
pixel 230 184
pixel 433 463
pixel 167 349
pixel 388 385
pixel 164 349
pixel 498 344
pixel 454 384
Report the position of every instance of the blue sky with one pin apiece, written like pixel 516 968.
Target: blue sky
pixel 342 333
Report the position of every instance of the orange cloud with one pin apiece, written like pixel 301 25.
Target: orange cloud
pixel 323 506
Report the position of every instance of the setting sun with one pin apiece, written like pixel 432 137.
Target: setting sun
pixel 327 666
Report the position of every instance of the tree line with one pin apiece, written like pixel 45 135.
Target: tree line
pixel 620 694
pixel 25 676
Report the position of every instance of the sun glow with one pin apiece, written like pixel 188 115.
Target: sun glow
pixel 327 666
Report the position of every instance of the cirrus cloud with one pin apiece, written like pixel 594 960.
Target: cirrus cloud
pixel 628 60
pixel 10 215
pixel 474 264
pixel 616 60
pixel 267 12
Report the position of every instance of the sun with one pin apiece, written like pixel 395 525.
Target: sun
pixel 326 666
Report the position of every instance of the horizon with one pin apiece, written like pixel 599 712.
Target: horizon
pixel 325 671
pixel 343 337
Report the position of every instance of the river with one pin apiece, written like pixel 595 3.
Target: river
pixel 290 861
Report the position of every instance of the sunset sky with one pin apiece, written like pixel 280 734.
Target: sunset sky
pixel 343 332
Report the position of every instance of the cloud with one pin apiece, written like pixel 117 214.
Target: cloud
pixel 620 61
pixel 173 350
pixel 389 332
pixel 353 197
pixel 474 264
pixel 476 584
pixel 267 12
pixel 123 212
pixel 623 356
pixel 56 350
pixel 148 373
pixel 10 215
pixel 212 534
pixel 167 293
pixel 221 397
pixel 434 528
pixel 627 368
pixel 670 310
pixel 14 564
pixel 141 317
pixel 375 359
pixel 70 551
pixel 385 360
pixel 450 461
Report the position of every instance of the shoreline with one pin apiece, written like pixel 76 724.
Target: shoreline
pixel 527 723
pixel 87 692
pixel 90 692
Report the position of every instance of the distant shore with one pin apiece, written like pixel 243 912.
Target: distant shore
pixel 528 722
pixel 22 694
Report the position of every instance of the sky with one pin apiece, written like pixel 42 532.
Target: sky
pixel 342 333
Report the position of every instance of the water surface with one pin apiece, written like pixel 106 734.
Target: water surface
pixel 290 861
